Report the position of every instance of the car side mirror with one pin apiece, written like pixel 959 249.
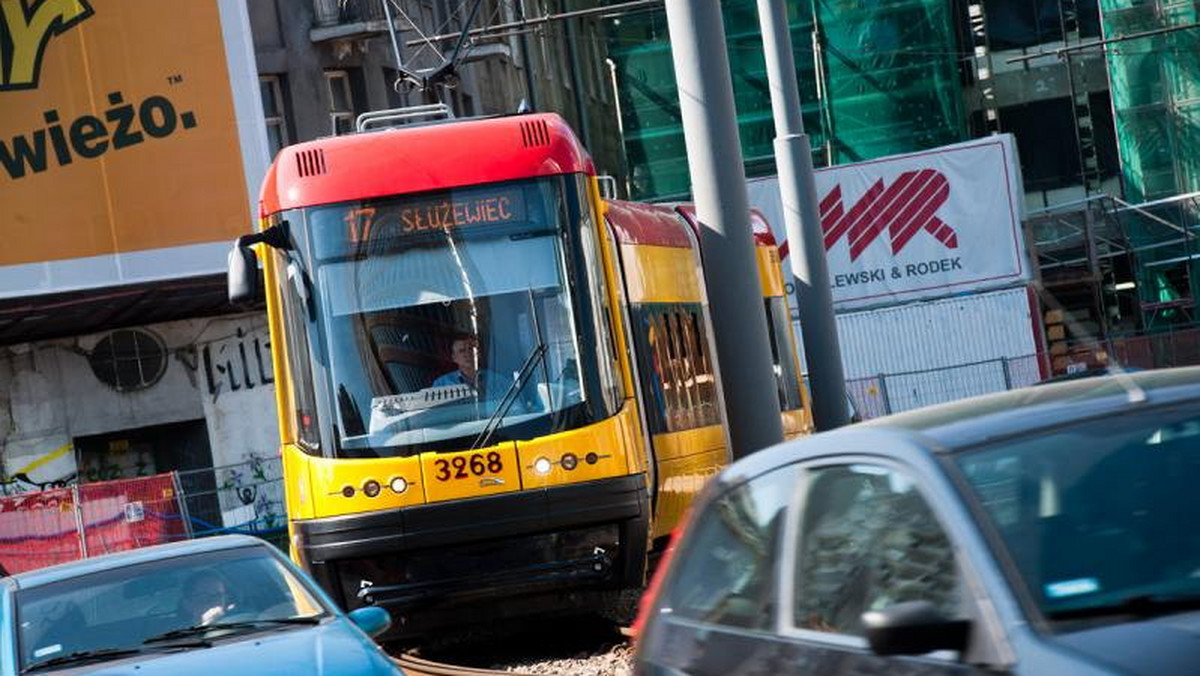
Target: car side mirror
pixel 372 619
pixel 243 279
pixel 913 628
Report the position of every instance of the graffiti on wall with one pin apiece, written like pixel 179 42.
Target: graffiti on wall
pixel 38 475
pixel 243 362
pixel 118 459
pixel 257 482
pixel 20 482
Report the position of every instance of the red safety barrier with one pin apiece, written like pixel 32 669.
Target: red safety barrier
pixel 131 513
pixel 38 529
pixel 55 526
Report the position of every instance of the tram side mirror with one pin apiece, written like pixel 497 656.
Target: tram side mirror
pixel 245 284
pixel 913 628
pixel 243 279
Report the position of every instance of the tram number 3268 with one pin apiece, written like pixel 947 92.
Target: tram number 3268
pixel 461 467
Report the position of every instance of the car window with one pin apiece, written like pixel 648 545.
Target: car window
pixel 727 575
pixel 868 540
pixel 121 607
pixel 1095 514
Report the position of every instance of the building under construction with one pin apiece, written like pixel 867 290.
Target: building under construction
pixel 1102 97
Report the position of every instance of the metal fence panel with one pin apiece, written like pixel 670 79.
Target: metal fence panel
pixel 242 498
pixel 868 396
pixel 895 392
pixel 44 528
pixel 907 391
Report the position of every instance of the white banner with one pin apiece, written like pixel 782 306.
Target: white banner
pixel 922 225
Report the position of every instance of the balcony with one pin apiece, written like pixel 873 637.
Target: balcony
pixel 344 19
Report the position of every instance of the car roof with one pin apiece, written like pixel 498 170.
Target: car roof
pixel 63 571
pixel 1017 412
pixel 947 428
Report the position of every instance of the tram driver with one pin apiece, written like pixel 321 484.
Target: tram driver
pixel 465 354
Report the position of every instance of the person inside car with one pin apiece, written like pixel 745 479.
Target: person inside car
pixel 205 599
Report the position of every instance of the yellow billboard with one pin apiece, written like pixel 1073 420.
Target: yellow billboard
pixel 126 136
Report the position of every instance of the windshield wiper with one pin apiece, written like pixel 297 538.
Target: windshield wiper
pixel 1139 605
pixel 81 656
pixel 510 395
pixel 201 629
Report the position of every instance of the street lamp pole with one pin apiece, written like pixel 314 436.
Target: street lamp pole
pixel 719 189
pixel 793 160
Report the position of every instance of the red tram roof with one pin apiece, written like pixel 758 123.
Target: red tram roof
pixel 651 224
pixel 421 158
pixel 758 223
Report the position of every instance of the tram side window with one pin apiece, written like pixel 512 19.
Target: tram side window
pixel 602 312
pixel 675 365
pixel 783 355
pixel 300 377
pixel 706 385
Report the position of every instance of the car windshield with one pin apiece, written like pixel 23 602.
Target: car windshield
pixel 1097 516
pixel 447 315
pixel 119 609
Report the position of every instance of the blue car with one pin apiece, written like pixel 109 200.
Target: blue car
pixel 222 605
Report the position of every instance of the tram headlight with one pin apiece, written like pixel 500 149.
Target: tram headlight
pixel 591 458
pixel 398 485
pixel 569 461
pixel 542 466
pixel 371 487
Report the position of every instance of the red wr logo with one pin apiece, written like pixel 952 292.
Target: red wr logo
pixel 904 208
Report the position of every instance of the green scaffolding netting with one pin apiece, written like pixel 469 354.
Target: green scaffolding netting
pixel 1155 83
pixel 883 80
pixel 891 77
pixel 1156 97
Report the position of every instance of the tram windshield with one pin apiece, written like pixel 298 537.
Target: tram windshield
pixel 448 316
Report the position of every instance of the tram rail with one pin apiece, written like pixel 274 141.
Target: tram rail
pixel 419 666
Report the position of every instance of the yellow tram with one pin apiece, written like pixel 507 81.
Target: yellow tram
pixel 496 390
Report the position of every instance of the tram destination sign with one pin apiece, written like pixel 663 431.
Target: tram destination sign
pixel 444 213
pixel 491 207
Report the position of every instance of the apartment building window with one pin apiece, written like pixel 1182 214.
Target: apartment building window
pixel 341 107
pixel 274 115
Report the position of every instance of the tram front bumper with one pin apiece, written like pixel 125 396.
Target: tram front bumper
pixel 524 544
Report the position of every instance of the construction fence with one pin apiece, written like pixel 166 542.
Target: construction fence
pixel 48 527
pixel 887 393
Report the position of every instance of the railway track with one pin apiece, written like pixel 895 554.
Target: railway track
pixel 577 646
pixel 419 666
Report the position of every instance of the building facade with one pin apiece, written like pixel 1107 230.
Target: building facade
pixel 323 62
pixel 1105 133
pixel 120 194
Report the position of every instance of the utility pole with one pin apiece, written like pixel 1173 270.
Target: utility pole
pixel 793 161
pixel 530 89
pixel 572 37
pixel 719 188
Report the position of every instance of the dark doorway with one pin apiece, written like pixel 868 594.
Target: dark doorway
pixel 176 447
pixel 144 451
